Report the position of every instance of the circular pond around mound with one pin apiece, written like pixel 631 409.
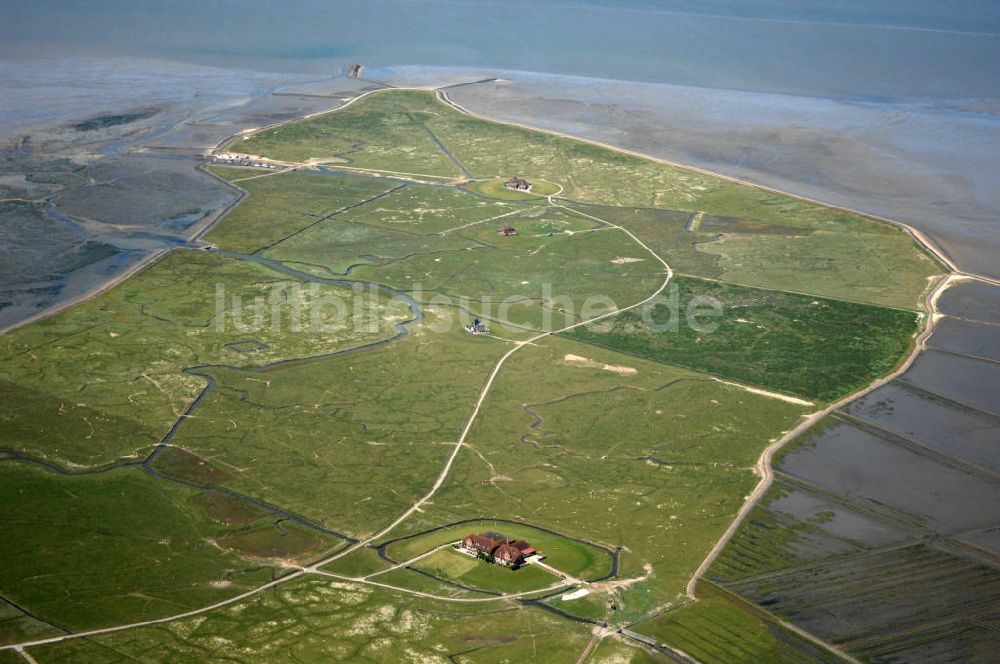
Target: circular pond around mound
pixel 495 189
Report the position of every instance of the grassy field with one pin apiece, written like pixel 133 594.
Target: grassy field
pixel 319 439
pixel 16 626
pixel 336 246
pixel 722 629
pixel 546 220
pixel 628 441
pixel 137 338
pixel 83 552
pixel 279 206
pixel 326 620
pixel 412 580
pixel 593 606
pixel 797 344
pixel 495 189
pixel 562 277
pixel 454 566
pixel 359 563
pixel 381 132
pixel 428 210
pixel 615 650
pixel 836 255
pixel 873 265
pixel 662 478
pixel 569 556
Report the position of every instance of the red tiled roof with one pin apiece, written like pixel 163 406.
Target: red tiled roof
pixel 507 553
pixel 479 543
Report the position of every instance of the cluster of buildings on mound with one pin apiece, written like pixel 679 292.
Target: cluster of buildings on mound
pixel 230 159
pixel 496 548
pixel 518 183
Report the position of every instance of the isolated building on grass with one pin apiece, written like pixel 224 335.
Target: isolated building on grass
pixel 479 544
pixel 518 183
pixel 477 327
pixel 497 548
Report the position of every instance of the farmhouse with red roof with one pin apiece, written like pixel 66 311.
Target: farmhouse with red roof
pixel 502 550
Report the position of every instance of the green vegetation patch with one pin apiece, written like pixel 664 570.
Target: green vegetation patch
pixel 230 173
pixel 835 254
pixel 428 210
pixel 138 337
pixel 359 563
pixel 17 626
pixel 118 547
pixel 455 566
pixel 619 650
pixel 870 263
pixel 592 606
pixel 611 441
pixel 280 206
pixel 324 620
pixel 407 579
pixel 336 246
pixel 348 441
pixel 496 188
pixel 383 131
pixel 665 233
pixel 546 220
pixel 662 478
pixel 11 657
pixel 814 347
pixel 720 628
pixel 569 276
pixel 572 557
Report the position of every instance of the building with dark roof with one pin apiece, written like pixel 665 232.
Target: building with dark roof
pixel 517 183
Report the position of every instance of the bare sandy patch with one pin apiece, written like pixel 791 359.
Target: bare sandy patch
pixel 625 583
pixel 580 361
pixel 621 260
pixel 576 594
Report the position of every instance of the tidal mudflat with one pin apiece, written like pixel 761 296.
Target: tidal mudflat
pixel 973 300
pixel 964 337
pixel 939 424
pixel 109 175
pixel 968 381
pixel 853 462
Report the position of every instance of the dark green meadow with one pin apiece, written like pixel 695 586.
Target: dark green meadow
pixel 797 344
pixel 101 549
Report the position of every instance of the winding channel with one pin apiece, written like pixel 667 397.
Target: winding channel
pixel 763 467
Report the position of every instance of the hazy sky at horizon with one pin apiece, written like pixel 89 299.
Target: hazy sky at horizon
pixel 881 49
